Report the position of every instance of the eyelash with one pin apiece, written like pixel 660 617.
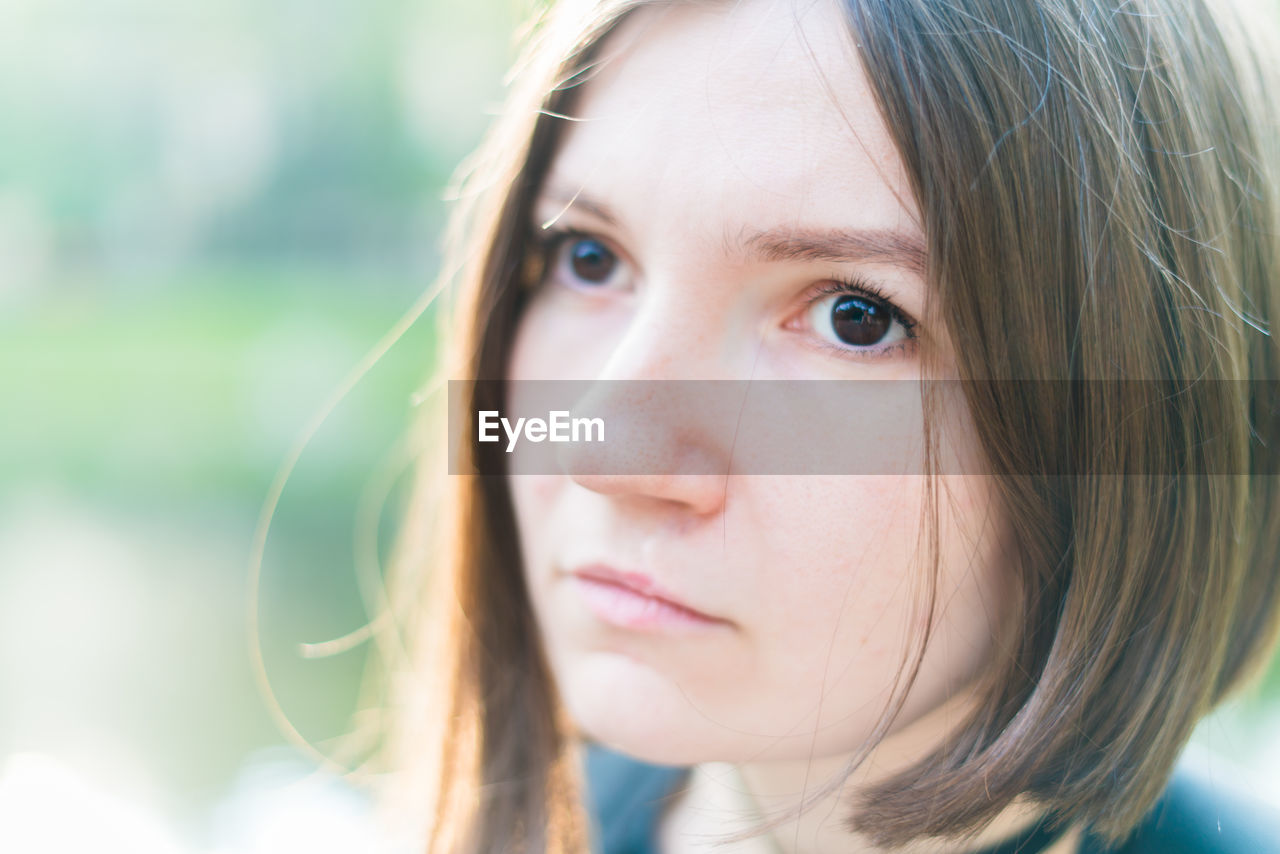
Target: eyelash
pixel 858 286
pixel 550 241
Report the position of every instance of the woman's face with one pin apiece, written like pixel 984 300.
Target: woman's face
pixel 728 204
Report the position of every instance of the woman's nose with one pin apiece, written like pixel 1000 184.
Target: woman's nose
pixel 666 399
pixel 667 439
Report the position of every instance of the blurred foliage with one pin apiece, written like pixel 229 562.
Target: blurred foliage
pixel 209 212
pixel 143 135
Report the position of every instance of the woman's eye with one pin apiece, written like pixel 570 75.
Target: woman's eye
pixel 583 260
pixel 855 321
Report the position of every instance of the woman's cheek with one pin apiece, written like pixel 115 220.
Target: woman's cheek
pixel 838 547
pixel 846 564
pixel 561 335
pixel 541 489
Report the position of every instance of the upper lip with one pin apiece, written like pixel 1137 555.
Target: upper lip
pixel 640 583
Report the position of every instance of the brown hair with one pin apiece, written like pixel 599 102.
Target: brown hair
pixel 1095 190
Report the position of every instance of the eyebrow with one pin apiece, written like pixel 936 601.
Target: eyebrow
pixel 867 245
pixel 873 245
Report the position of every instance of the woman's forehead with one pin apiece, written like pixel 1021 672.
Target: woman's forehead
pixel 757 112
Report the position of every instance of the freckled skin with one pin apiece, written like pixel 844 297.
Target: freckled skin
pixel 705 122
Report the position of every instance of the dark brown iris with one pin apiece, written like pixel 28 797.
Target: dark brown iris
pixel 591 260
pixel 859 322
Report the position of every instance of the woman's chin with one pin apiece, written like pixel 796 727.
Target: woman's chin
pixel 630 707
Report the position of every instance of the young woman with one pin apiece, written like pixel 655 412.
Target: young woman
pixel 1064 209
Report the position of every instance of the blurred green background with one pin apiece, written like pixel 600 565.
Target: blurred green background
pixel 208 213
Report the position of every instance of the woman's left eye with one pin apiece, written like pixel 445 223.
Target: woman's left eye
pixel 855 320
pixel 583 261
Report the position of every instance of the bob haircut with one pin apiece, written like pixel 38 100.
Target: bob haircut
pixel 1096 193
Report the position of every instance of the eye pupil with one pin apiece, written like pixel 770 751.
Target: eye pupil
pixel 859 322
pixel 591 260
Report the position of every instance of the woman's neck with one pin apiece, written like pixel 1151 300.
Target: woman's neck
pixel 724 798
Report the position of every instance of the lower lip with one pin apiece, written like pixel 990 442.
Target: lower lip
pixel 623 607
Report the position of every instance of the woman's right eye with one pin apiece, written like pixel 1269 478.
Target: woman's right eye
pixel 584 261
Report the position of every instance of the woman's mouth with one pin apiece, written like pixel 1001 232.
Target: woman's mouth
pixel 633 601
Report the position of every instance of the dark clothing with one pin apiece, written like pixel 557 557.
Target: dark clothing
pixel 1193 816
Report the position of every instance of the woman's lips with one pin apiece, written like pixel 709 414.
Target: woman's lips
pixel 633 601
